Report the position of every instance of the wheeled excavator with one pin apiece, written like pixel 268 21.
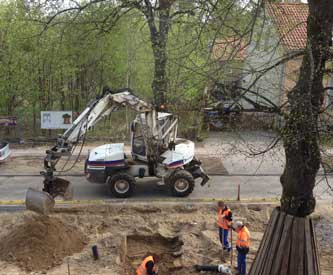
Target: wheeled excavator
pixel 155 152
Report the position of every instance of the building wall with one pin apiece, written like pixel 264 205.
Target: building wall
pixel 263 52
pixel 290 78
pixel 292 69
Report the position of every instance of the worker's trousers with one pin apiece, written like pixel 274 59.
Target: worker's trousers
pixel 224 238
pixel 241 263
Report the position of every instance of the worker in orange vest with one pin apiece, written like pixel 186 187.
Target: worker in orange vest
pixel 148 266
pixel 242 246
pixel 224 222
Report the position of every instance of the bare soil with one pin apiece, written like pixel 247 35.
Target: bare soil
pixel 34 164
pixel 182 235
pixel 40 243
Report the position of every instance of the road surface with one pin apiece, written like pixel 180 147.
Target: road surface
pixel 219 187
pixel 258 176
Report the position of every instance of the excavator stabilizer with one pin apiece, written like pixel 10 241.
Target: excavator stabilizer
pixel 43 202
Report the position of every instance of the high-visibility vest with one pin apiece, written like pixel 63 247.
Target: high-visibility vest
pixel 142 269
pixel 243 237
pixel 221 220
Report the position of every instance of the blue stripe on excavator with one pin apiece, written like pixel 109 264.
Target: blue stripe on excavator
pixel 106 163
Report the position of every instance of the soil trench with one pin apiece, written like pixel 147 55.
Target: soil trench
pixel 181 235
pixel 167 250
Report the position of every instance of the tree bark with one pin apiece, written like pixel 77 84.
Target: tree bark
pixel 300 134
pixel 159 85
pixel 159 38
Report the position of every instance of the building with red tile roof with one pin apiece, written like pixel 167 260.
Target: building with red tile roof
pixel 227 56
pixel 281 30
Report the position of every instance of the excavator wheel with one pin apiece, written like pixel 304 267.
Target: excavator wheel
pixel 121 185
pixel 181 183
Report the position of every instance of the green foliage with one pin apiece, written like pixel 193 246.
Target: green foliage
pixel 61 66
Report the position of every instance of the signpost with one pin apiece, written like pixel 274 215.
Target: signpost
pixel 56 119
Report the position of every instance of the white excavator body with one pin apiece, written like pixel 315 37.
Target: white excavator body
pixel 155 152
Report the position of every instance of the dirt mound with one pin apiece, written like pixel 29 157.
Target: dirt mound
pixel 40 243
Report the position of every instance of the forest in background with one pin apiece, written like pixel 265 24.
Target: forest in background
pixel 55 58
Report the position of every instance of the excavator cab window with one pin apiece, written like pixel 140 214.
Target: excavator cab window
pixel 138 142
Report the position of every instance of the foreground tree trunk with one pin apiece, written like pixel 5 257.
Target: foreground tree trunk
pixel 300 135
pixel 289 243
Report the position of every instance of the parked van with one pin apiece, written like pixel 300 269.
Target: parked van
pixel 4 151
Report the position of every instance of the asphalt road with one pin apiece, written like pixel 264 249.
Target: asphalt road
pixel 219 187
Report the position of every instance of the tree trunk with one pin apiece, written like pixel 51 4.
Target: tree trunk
pixel 289 243
pixel 159 84
pixel 159 38
pixel 300 134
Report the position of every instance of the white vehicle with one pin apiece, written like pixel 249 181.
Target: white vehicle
pixel 4 151
pixel 156 152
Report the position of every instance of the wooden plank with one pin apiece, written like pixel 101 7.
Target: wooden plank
pixel 281 261
pixel 258 257
pixel 264 244
pixel 316 250
pixel 299 262
pixel 269 242
pixel 293 250
pixel 274 244
pixel 286 260
pixel 309 249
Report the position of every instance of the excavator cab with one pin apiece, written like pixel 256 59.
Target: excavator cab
pixel 138 141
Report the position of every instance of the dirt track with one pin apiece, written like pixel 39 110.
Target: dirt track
pixel 182 235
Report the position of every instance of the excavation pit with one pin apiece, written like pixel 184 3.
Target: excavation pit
pixel 168 250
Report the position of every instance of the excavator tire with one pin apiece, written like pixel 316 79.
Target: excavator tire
pixel 121 185
pixel 181 183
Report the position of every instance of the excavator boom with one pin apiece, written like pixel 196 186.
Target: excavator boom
pixel 43 201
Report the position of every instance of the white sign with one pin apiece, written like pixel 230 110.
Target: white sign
pixel 56 119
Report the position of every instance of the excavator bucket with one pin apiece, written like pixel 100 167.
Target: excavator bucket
pixel 39 201
pixel 43 202
pixel 62 188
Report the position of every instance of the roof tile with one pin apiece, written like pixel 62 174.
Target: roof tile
pixel 290 20
pixel 229 49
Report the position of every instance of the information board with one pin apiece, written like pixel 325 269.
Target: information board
pixel 56 119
